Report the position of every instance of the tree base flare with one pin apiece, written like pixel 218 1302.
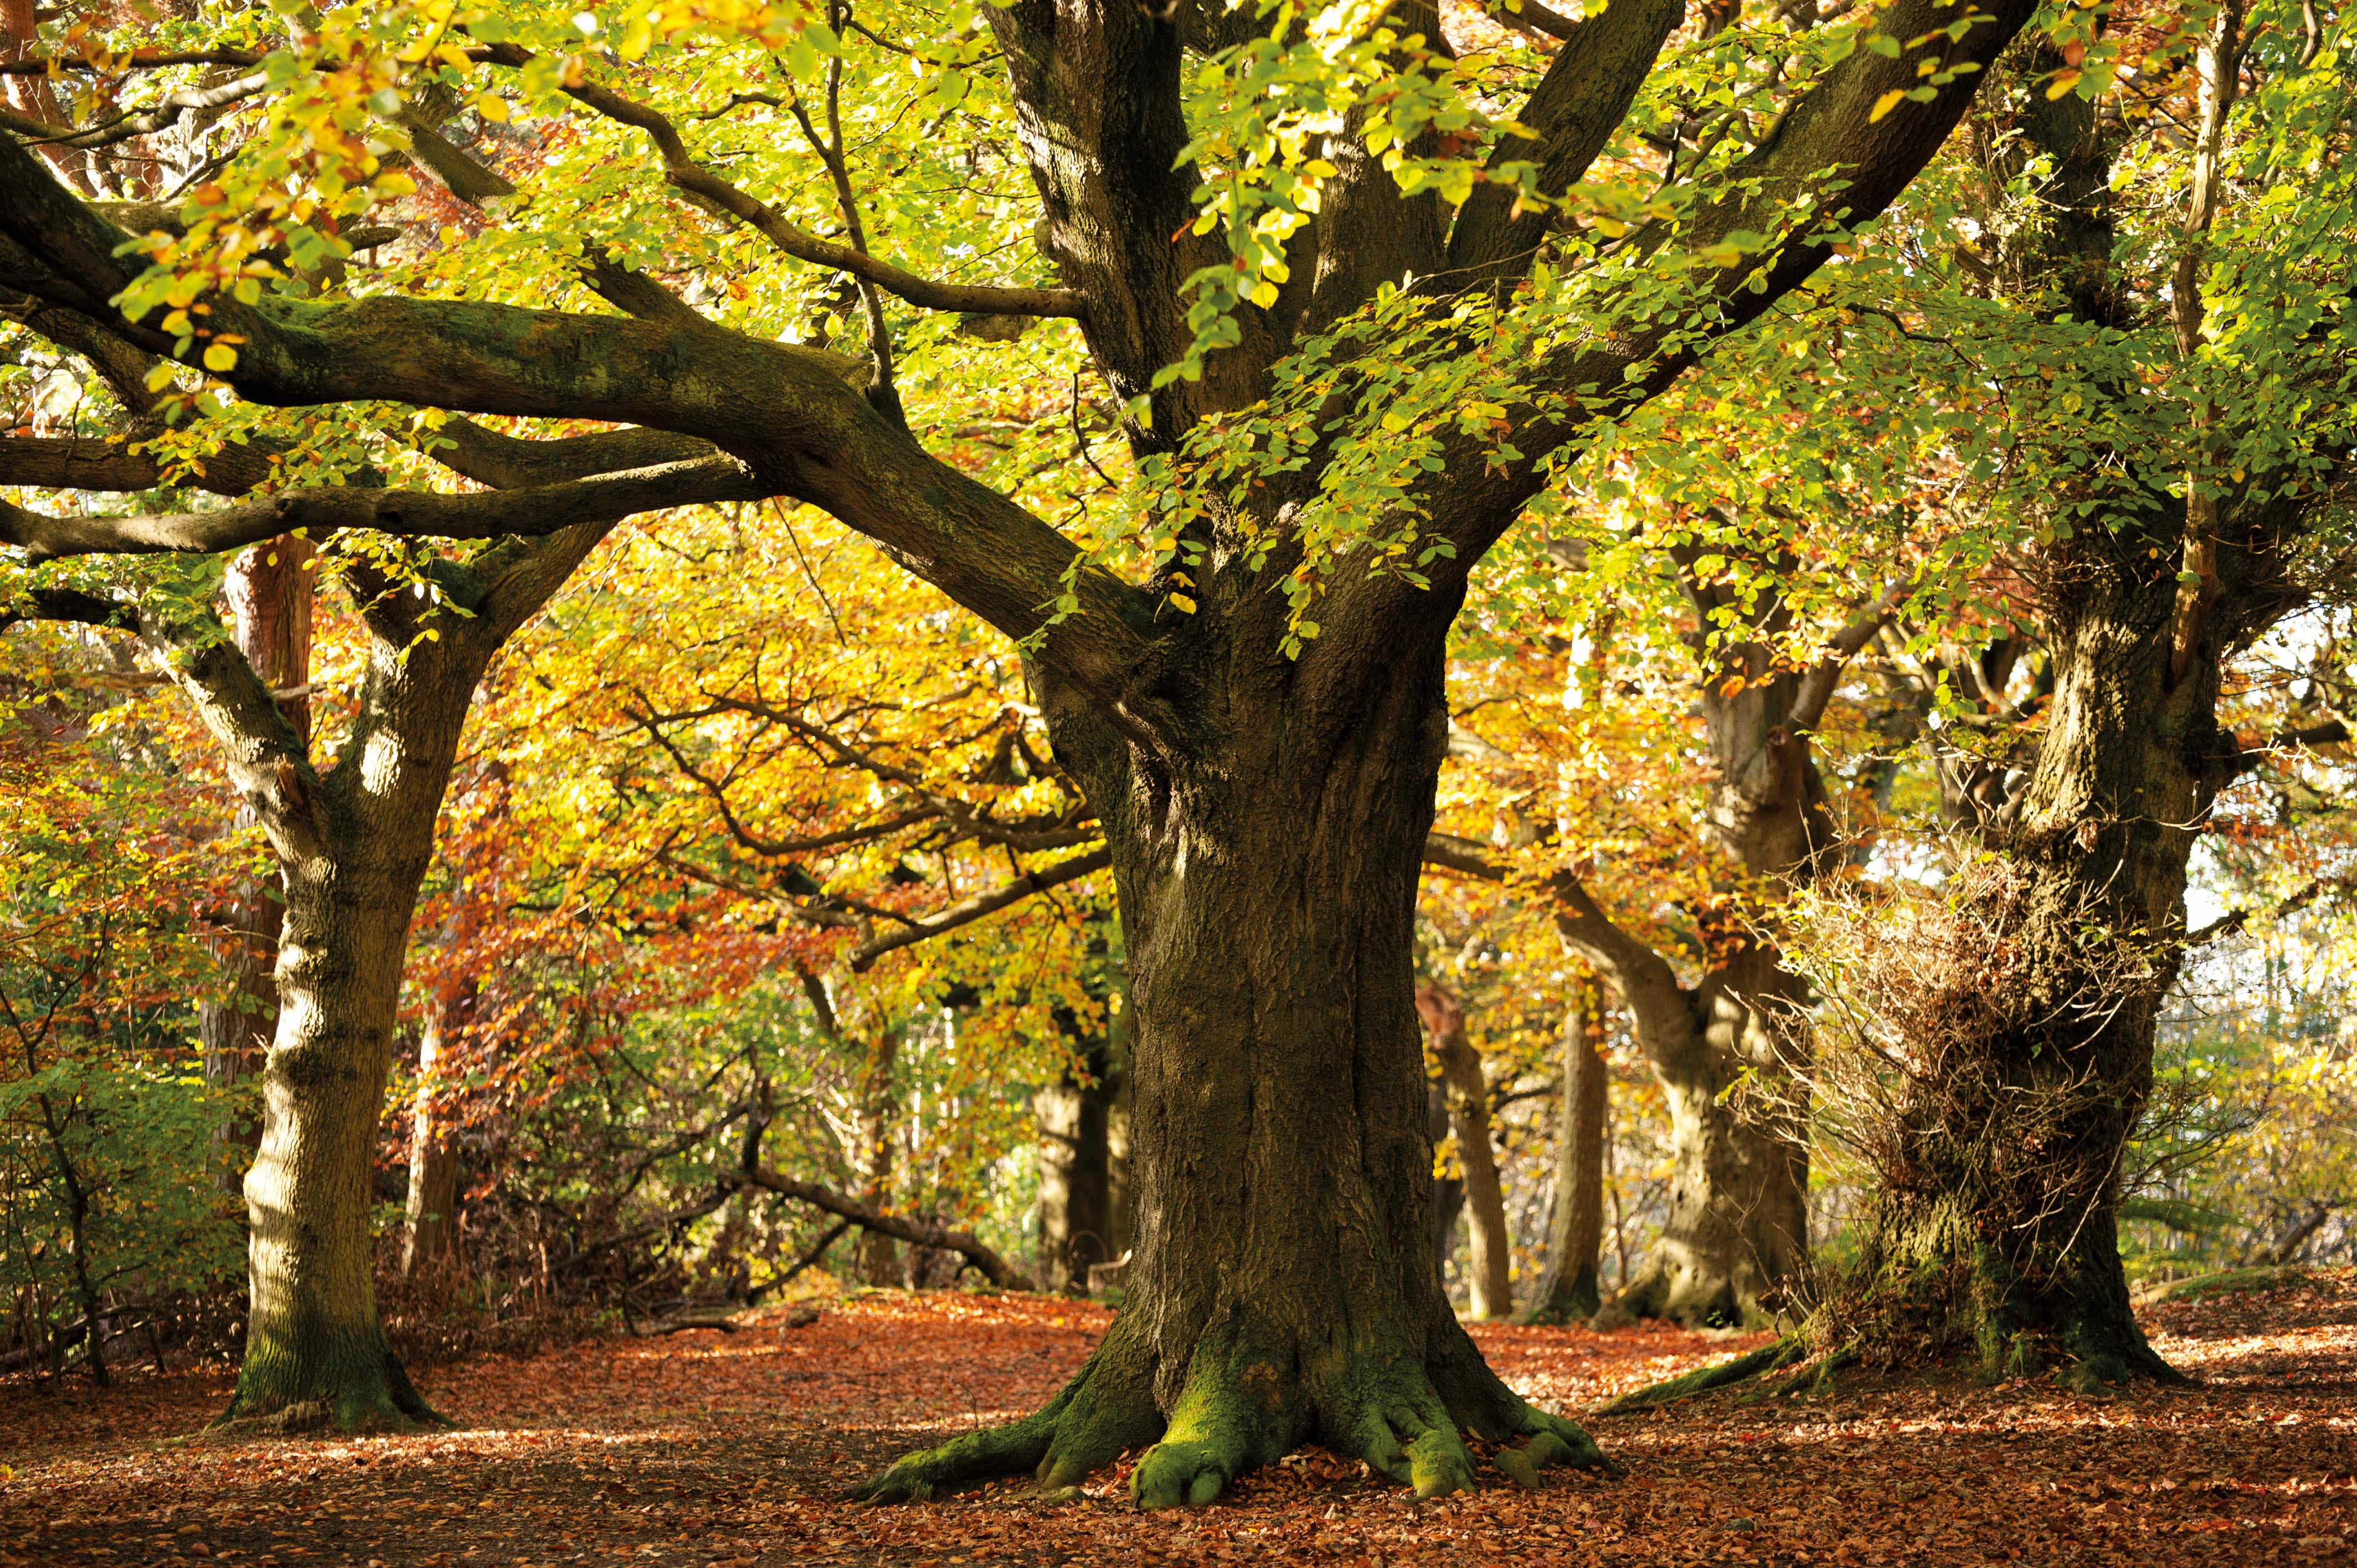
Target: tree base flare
pixel 1243 1407
pixel 359 1391
pixel 1966 1317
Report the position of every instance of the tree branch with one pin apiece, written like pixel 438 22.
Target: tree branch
pixel 921 1232
pixel 968 910
pixel 684 171
pixel 414 515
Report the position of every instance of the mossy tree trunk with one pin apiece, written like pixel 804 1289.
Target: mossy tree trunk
pixel 1284 1287
pixel 2031 1051
pixel 1996 1232
pixel 354 840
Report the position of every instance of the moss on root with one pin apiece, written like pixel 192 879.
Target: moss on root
pixel 1243 1406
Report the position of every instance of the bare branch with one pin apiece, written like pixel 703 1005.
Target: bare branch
pixel 920 1232
pixel 968 910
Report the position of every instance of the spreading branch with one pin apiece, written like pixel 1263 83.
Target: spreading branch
pixel 682 170
pixel 967 911
pixel 414 515
pixel 918 1232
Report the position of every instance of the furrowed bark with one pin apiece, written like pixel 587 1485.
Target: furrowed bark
pixel 1284 1287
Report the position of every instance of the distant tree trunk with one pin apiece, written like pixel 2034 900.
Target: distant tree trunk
pixel 1569 1291
pixel 877 1123
pixel 1488 1273
pixel 430 1246
pixel 1447 1192
pixel 1077 1220
pixel 269 592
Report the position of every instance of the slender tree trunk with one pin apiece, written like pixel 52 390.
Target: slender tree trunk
pixel 1076 1197
pixel 1488 1272
pixel 429 1248
pixel 877 1123
pixel 1283 1287
pixel 1569 1291
pixel 1448 1191
pixel 268 589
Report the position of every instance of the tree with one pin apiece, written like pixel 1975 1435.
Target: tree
pixel 2189 493
pixel 1257 717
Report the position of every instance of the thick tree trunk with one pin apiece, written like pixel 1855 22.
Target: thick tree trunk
pixel 1283 1288
pixel 1489 1276
pixel 354 842
pixel 1569 1291
pixel 316 1355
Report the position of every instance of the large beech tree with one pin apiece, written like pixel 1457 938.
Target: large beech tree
pixel 1350 317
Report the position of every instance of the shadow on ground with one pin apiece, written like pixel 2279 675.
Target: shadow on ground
pixel 710 1448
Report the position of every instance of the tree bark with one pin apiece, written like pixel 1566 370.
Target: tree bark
pixel 1489 1276
pixel 2031 1048
pixel 268 591
pixel 1569 1291
pixel 1283 1287
pixel 355 842
pixel 876 1126
pixel 2028 1020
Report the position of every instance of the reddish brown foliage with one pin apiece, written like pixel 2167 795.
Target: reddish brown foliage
pixel 709 1448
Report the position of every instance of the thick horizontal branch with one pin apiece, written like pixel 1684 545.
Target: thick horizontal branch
pixel 785 409
pixel 968 910
pixel 72 605
pixel 513 462
pixel 76 462
pixel 918 1232
pixel 414 514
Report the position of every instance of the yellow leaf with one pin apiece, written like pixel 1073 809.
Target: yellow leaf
pixel 1186 605
pixel 1265 295
pixel 221 357
pixel 491 108
pixel 2064 80
pixel 1886 103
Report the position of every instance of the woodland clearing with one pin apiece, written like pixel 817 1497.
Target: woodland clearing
pixel 729 1449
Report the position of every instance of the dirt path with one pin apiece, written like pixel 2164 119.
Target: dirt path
pixel 706 1448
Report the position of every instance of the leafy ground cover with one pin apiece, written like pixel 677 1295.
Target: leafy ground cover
pixel 710 1448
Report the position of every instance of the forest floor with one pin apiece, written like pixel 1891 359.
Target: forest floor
pixel 706 1448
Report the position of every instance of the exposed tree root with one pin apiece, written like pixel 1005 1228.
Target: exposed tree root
pixel 1243 1407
